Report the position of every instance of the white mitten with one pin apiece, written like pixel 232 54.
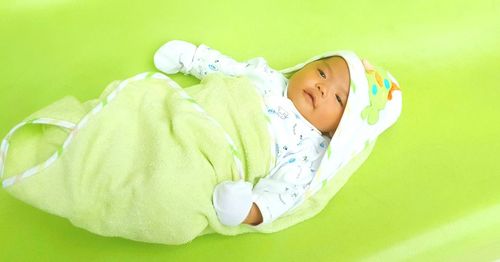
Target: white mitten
pixel 175 56
pixel 232 201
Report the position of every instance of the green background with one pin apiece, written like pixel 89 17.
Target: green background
pixel 428 192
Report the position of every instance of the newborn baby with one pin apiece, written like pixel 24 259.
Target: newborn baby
pixel 161 170
pixel 304 112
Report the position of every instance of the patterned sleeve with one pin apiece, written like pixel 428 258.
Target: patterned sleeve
pixel 207 60
pixel 283 189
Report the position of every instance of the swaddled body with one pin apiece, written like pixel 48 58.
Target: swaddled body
pixel 145 157
pixel 298 145
pixel 305 111
pixel 142 161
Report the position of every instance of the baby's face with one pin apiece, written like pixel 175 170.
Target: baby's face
pixel 320 90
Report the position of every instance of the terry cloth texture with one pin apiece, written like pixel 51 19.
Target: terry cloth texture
pixel 145 165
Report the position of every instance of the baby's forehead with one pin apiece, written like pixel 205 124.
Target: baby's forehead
pixel 340 70
pixel 333 59
pixel 334 62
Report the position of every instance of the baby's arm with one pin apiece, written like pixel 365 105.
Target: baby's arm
pixel 236 202
pixel 181 56
pixel 199 61
pixel 276 194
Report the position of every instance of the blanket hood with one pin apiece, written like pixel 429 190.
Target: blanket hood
pixel 373 105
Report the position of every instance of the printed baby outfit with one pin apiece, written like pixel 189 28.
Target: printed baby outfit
pixel 302 167
pixel 298 145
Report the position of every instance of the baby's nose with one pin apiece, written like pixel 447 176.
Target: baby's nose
pixel 321 89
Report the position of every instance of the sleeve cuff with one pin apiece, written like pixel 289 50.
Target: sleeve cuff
pixel 263 207
pixel 199 53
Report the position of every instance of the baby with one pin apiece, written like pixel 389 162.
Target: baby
pixel 304 111
pixel 163 169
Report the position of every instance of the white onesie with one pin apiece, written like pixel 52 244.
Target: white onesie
pixel 298 145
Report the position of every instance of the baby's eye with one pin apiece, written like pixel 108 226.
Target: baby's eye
pixel 321 73
pixel 338 99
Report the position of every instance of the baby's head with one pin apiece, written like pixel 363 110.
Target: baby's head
pixel 328 87
pixel 320 90
pixel 346 98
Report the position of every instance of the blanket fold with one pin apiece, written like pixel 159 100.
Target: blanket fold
pixel 145 165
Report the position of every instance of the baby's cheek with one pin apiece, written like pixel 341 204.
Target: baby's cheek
pixel 332 119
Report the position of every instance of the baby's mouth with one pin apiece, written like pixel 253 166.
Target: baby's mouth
pixel 310 97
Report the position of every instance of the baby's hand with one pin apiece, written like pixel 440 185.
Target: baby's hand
pixel 232 201
pixel 175 56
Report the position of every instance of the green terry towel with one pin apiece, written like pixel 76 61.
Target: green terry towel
pixel 141 161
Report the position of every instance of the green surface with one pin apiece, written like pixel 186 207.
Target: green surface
pixel 430 189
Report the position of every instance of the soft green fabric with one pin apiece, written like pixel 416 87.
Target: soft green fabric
pixel 145 166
